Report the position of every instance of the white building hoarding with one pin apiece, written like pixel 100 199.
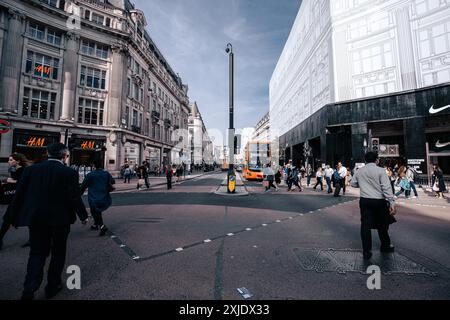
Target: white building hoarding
pixel 348 49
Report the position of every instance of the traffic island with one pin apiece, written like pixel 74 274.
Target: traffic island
pixel 241 190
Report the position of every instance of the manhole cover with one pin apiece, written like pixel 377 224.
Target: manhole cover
pixel 347 260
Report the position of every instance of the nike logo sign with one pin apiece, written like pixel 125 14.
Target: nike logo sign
pixel 434 111
pixel 442 145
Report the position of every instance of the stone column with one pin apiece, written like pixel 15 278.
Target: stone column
pixel 117 96
pixel 12 62
pixel 70 77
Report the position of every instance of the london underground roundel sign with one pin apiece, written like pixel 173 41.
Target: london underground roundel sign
pixel 5 126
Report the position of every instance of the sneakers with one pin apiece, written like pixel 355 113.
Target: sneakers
pixel 103 230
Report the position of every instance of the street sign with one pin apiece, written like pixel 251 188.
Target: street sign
pixel 5 126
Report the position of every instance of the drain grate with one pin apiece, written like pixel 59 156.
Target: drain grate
pixel 348 260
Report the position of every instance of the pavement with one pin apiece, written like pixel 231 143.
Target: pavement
pixel 189 243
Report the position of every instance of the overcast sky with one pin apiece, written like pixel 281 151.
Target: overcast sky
pixel 193 34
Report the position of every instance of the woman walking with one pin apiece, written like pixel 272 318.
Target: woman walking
pixel 404 185
pixel 438 182
pixel 99 184
pixel 17 163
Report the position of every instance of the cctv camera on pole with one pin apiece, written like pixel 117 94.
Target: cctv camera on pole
pixel 231 178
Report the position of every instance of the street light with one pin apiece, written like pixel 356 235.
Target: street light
pixel 231 180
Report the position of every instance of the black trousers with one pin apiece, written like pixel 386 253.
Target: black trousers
pixel 43 241
pixel 374 215
pixel 97 215
pixel 169 183
pixel 319 182
pixel 6 223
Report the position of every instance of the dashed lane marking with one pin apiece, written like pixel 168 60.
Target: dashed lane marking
pixel 137 258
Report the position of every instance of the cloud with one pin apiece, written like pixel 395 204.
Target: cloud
pixel 192 36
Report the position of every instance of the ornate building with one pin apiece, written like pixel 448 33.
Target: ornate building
pixel 201 146
pixel 87 73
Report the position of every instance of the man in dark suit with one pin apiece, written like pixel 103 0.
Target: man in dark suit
pixel 47 201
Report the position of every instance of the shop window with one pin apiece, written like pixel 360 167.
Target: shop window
pixel 42 66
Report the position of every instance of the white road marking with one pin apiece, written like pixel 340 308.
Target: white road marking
pixel 179 249
pixel 248 229
pixel 264 224
pixel 207 240
pixel 230 234
pixel 136 257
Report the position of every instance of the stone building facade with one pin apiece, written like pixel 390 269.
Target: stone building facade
pixel 87 73
pixel 200 144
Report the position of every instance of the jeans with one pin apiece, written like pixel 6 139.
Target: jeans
pixel 127 178
pixel 329 189
pixel 413 188
pixel 401 191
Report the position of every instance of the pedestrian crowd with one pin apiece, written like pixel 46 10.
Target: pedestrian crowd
pixel 333 181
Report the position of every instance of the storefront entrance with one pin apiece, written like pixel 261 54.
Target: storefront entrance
pixel 33 144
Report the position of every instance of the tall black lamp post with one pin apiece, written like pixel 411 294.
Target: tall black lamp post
pixel 231 179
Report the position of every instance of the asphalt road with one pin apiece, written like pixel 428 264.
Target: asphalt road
pixel 189 243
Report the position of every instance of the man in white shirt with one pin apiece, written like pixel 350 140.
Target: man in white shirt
pixel 341 182
pixel 328 176
pixel 377 204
